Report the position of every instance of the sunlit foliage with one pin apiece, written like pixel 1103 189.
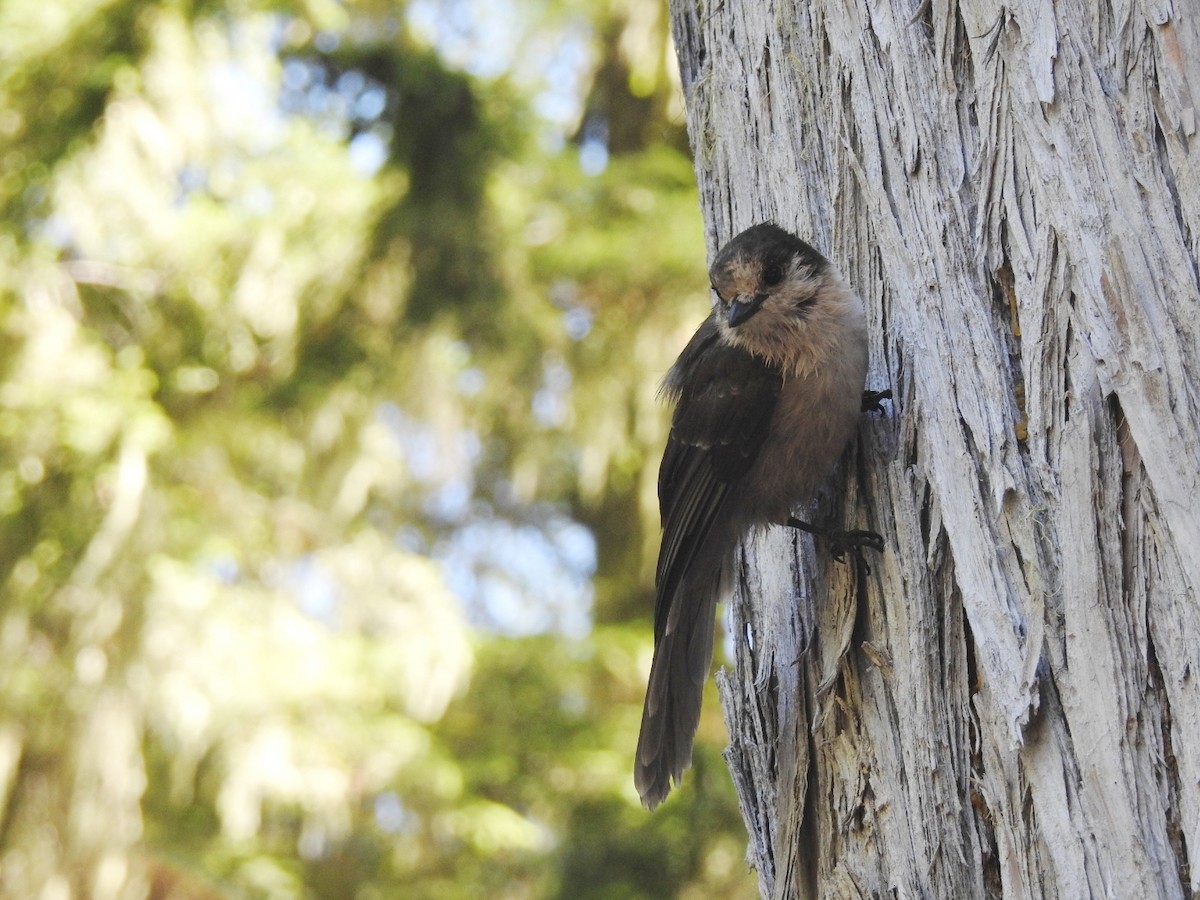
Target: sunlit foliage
pixel 327 433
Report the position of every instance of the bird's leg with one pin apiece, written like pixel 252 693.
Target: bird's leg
pixel 870 400
pixel 842 542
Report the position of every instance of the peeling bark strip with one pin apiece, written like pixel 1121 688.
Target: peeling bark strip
pixel 1009 705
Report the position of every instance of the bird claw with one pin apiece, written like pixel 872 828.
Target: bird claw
pixel 843 542
pixel 871 400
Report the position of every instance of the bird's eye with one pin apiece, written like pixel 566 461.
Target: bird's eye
pixel 772 275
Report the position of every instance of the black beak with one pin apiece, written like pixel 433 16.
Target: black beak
pixel 740 310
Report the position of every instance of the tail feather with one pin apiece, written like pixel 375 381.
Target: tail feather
pixel 673 697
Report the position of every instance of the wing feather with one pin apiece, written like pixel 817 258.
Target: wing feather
pixel 725 399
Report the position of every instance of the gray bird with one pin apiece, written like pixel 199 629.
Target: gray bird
pixel 767 395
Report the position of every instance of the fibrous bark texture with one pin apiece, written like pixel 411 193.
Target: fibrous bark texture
pixel 1008 704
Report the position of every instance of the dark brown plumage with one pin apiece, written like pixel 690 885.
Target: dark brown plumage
pixel 767 394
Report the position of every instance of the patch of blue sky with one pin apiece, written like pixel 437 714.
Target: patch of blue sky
pixel 513 578
pixel 392 816
pixel 520 579
pixel 478 36
pixel 368 152
pixel 316 591
pixel 551 401
pixel 490 38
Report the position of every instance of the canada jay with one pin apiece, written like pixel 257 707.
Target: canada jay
pixel 767 393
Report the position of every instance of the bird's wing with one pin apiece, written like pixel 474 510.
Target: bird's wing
pixel 725 401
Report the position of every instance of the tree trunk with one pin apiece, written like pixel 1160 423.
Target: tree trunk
pixel 1008 704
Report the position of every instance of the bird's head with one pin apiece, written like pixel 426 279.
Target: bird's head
pixel 776 294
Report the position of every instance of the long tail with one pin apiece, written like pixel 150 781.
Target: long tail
pixel 681 662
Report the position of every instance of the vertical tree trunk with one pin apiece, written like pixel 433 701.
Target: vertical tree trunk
pixel 1009 703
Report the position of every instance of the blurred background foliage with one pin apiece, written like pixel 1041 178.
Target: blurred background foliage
pixel 328 429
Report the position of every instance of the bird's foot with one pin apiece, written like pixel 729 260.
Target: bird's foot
pixel 871 400
pixel 843 542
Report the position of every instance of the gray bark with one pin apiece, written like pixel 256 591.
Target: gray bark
pixel 1009 703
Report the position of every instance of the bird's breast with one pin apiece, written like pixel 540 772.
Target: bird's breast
pixel 815 418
